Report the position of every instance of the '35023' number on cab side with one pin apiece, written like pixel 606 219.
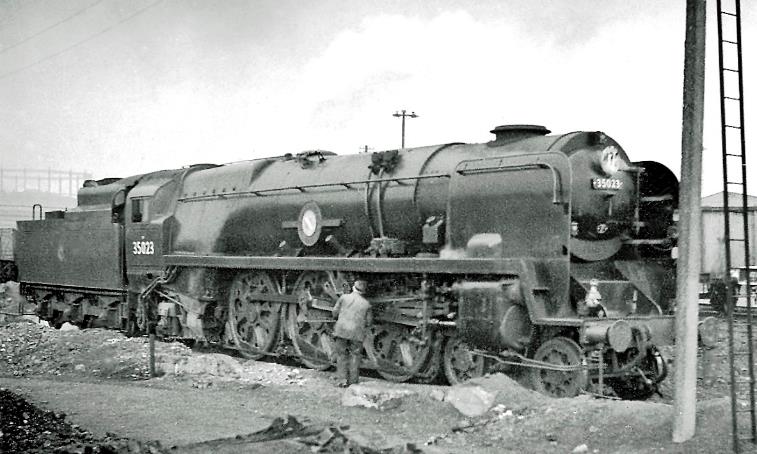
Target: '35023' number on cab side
pixel 143 248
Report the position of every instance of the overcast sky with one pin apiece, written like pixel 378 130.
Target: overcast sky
pixel 124 87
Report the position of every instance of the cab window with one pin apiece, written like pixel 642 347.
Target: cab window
pixel 139 210
pixel 118 205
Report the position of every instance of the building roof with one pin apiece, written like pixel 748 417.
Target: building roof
pixel 715 201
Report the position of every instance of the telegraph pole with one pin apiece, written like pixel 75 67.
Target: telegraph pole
pixel 403 115
pixel 687 291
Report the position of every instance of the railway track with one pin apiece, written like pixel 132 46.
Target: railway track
pixel 740 312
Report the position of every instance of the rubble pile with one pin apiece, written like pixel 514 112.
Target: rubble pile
pixel 28 349
pixel 35 349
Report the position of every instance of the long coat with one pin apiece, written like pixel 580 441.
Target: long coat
pixel 353 314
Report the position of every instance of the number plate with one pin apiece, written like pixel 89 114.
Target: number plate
pixel 142 247
pixel 606 183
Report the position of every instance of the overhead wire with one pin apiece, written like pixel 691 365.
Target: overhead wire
pixel 50 27
pixel 79 43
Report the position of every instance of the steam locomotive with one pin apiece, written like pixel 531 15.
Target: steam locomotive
pixel 554 253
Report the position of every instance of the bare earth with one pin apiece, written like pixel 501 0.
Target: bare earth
pixel 99 380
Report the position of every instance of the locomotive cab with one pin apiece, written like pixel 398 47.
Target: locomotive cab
pixel 148 214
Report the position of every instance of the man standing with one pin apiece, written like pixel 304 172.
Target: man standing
pixel 353 314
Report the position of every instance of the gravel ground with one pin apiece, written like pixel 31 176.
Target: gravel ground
pixel 99 378
pixel 26 428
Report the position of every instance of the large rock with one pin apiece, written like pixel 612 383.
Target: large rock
pixel 470 400
pixel 374 395
pixel 477 396
pixel 509 392
pixel 214 364
pixel 69 327
pixel 373 439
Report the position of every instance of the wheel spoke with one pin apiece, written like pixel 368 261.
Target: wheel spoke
pixel 326 344
pixel 559 351
pixel 396 352
pixel 407 356
pixel 254 323
pixel 460 364
pixel 312 339
pixel 429 372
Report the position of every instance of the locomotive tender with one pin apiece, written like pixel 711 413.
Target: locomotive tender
pixel 552 252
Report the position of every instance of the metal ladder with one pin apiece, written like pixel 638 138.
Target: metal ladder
pixel 732 138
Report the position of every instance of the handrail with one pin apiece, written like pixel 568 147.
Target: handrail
pixel 302 188
pixel 509 168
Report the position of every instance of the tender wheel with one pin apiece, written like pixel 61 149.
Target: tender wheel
pixel 398 354
pixel 460 364
pixel 559 351
pixel 253 321
pixel 309 321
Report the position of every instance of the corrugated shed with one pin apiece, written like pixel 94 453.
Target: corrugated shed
pixel 713 232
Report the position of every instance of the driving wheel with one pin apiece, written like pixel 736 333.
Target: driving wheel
pixel 310 322
pixel 253 321
pixel 398 354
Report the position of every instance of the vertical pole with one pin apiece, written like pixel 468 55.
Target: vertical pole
pixel 687 292
pixel 745 219
pixel 403 129
pixel 730 299
pixel 404 114
pixel 152 354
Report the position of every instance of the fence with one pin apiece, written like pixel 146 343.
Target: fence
pixel 43 180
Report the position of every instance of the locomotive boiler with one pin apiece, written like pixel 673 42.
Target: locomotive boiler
pixel 550 252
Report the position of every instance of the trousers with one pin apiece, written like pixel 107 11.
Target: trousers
pixel 348 355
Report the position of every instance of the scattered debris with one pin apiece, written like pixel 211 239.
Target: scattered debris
pixel 290 434
pixel 516 417
pixel 374 395
pixel 69 327
pixel 580 449
pixel 437 394
pixel 470 400
pixel 210 364
pixel 28 349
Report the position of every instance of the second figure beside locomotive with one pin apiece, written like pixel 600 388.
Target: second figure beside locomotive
pixel 354 319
